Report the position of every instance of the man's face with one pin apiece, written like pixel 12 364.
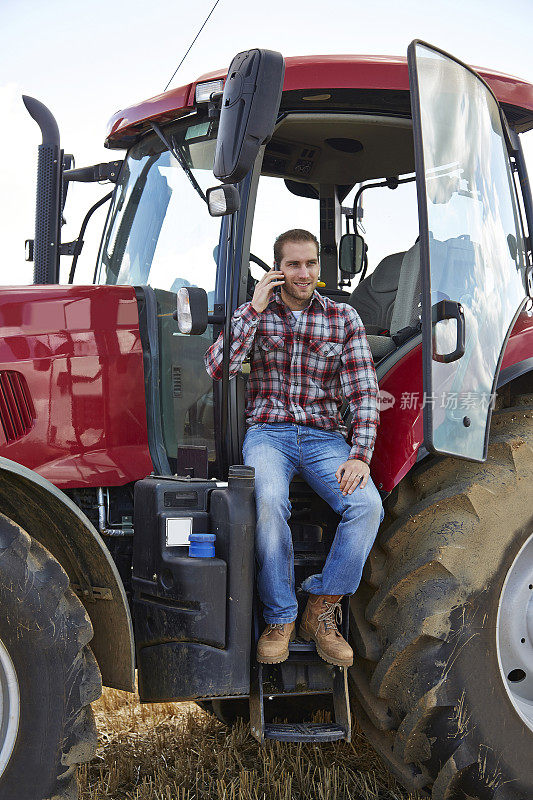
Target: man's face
pixel 300 267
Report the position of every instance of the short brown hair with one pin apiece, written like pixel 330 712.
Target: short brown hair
pixel 294 235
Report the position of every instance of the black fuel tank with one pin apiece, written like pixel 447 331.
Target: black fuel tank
pixel 192 616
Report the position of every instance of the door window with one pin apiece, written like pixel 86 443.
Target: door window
pixel 472 250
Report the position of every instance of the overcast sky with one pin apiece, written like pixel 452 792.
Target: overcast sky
pixel 86 60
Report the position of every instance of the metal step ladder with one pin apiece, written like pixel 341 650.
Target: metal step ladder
pixel 305 673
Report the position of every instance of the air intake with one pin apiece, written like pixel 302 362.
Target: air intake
pixel 17 413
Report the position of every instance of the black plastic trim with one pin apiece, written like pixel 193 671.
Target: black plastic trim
pixel 420 172
pixel 147 305
pixel 78 244
pixel 234 233
pixel 98 262
pixel 525 186
pixel 514 371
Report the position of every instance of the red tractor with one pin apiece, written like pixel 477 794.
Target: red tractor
pixel 117 447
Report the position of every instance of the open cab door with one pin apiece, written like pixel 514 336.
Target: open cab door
pixel 472 252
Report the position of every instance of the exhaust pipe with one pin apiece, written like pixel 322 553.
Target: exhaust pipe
pixel 49 183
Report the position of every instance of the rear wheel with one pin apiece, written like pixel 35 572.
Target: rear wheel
pixel 48 674
pixel 443 623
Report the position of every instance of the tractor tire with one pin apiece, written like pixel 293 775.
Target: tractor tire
pixel 48 674
pixel 442 682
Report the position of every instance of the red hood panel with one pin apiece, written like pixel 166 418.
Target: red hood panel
pixel 79 353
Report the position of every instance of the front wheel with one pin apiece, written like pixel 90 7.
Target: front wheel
pixel 443 623
pixel 48 674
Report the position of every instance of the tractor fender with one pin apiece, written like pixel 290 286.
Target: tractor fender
pixel 49 516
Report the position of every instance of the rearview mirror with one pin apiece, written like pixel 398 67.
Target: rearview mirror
pixel 250 103
pixel 352 253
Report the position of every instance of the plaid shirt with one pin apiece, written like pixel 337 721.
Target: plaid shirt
pixel 300 374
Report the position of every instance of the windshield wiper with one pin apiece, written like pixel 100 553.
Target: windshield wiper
pixel 174 148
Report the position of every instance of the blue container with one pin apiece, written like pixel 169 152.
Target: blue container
pixel 202 545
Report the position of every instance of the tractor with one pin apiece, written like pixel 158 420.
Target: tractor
pixel 118 453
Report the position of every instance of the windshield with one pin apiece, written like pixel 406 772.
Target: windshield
pixel 159 232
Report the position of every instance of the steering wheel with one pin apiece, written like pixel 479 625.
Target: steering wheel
pixel 260 262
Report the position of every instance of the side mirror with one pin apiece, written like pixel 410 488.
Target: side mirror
pixel 191 311
pixel 352 252
pixel 223 200
pixel 250 104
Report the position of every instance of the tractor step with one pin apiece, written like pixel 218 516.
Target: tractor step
pixel 299 646
pixel 302 672
pixel 304 732
pixel 309 561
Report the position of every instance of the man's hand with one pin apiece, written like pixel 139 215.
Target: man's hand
pixel 263 290
pixel 350 473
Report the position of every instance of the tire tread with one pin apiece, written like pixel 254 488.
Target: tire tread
pixel 408 674
pixel 61 621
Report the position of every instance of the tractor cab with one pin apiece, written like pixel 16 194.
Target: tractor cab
pixel 364 228
pixel 412 176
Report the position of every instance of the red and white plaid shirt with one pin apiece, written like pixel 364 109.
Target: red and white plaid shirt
pixel 302 374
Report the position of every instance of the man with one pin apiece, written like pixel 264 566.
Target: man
pixel 307 351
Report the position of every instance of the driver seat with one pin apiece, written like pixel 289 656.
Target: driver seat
pixel 391 294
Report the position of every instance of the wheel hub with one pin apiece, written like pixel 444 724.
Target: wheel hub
pixel 9 707
pixel 514 633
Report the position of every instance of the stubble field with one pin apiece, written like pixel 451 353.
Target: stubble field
pixel 177 751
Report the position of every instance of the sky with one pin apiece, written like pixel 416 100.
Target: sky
pixel 85 60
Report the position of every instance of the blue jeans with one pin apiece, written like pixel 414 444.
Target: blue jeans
pixel 278 452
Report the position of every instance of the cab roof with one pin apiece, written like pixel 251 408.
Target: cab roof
pixel 318 74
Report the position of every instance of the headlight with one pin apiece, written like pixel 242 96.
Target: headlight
pixel 184 311
pixel 191 310
pixel 205 90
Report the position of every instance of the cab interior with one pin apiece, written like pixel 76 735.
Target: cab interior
pixel 327 157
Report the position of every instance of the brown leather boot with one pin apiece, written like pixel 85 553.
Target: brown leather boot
pixel 273 644
pixel 319 623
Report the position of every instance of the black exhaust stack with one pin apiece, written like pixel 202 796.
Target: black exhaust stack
pixel 49 182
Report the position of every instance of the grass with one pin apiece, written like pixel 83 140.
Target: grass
pixel 177 751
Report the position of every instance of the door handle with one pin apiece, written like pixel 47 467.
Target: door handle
pixel 450 309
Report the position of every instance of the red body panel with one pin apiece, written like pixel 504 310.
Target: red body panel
pixel 313 73
pixel 163 108
pixel 78 349
pixel 400 431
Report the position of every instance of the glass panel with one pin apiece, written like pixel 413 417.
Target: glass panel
pixel 476 249
pixel 276 211
pixel 186 388
pixel 159 233
pixel 390 221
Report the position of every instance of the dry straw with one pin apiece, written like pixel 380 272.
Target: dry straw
pixel 177 751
